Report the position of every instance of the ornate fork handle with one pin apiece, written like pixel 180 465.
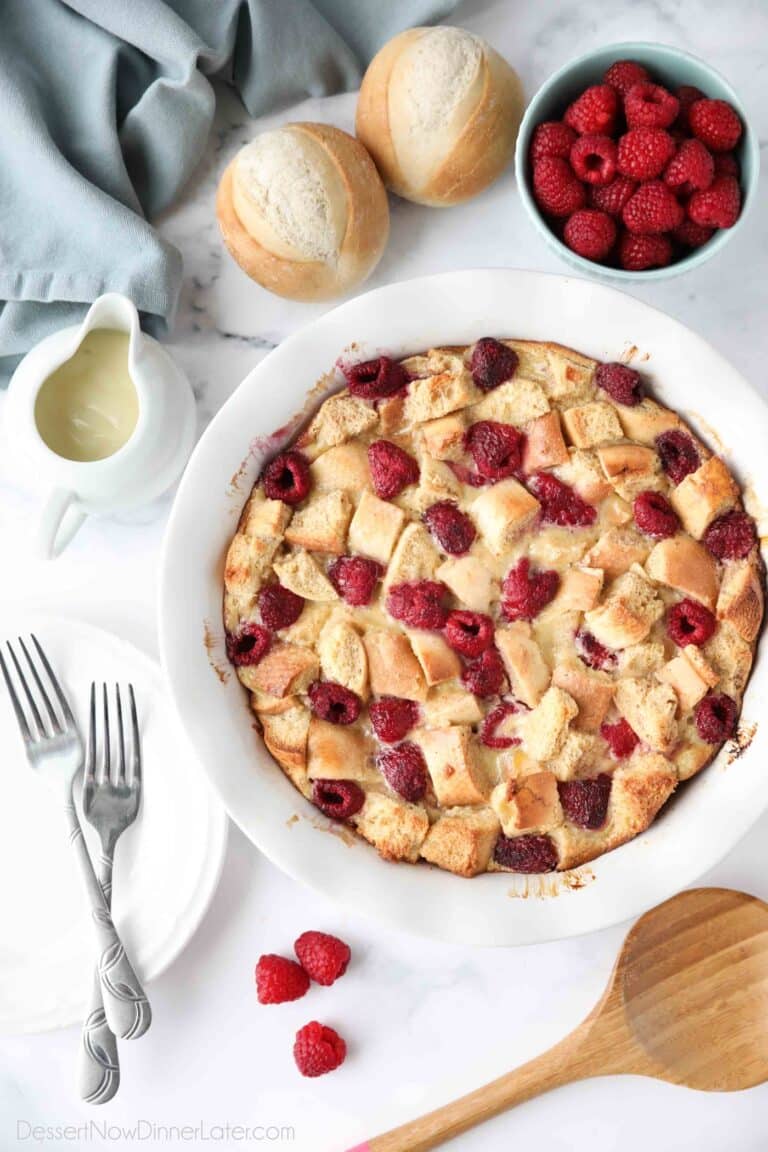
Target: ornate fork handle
pixel 99 1066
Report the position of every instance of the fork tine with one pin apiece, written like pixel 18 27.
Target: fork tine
pixel 135 741
pixel 106 760
pixel 20 717
pixel 90 748
pixel 120 737
pixel 63 704
pixel 55 723
pixel 41 732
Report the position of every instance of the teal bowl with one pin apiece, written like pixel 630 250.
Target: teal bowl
pixel 670 67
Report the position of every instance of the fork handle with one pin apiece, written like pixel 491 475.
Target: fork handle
pixel 99 1066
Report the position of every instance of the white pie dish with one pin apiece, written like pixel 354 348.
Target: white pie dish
pixel 704 821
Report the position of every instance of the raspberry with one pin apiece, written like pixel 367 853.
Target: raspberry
pixel 333 702
pixel 691 168
pixel 286 478
pixel 469 633
pixel 717 206
pixel 653 208
pixel 418 603
pixel 612 197
pixel 248 645
pixel 592 652
pixel 716 717
pixel 559 503
pixel 323 957
pixel 405 770
pixel 620 738
pixel 726 164
pixel 591 234
pixel 639 253
pixel 552 138
pixel 318 1049
pixel 279 607
pixel 678 453
pixel 732 536
pixel 716 124
pixel 655 516
pixel 686 95
pixel 279 979
pixel 376 379
pixel 593 159
pixel 497 449
pixel 692 235
pixel 623 384
pixel 492 722
pixel 354 578
pixel 452 528
pixel 491 363
pixel 393 718
pixel 624 74
pixel 648 105
pixel 596 110
pixel 337 799
pixel 585 802
pixel 392 469
pixel 526 853
pixel 525 593
pixel 555 188
pixel 644 153
pixel 484 676
pixel 467 475
pixel 689 622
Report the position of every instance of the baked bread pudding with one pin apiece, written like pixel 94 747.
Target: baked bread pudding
pixel 493 605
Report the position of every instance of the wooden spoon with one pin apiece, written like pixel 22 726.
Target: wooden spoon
pixel 687 1002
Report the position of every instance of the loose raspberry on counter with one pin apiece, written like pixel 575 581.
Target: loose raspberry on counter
pixel 653 208
pixel 337 799
pixel 590 233
pixel 655 516
pixel 524 593
pixel 622 383
pixel 392 718
pixel 392 469
pixel 318 1049
pixel 639 253
pixel 624 74
pixel 687 95
pixel 405 770
pixel 612 197
pixel 376 379
pixel 419 603
pixel 716 717
pixel 286 478
pixel 692 235
pixel 496 449
pixel 689 622
pixel 593 159
pixel 469 633
pixel 585 802
pixel 560 504
pixel 354 578
pixel 716 124
pixel 718 206
pixel 452 529
pixel 644 153
pixel 323 957
pixel 690 169
pixel 678 454
pixel 492 363
pixel 279 979
pixel 526 853
pixel 279 607
pixel 492 722
pixel 333 702
pixel 248 645
pixel 484 676
pixel 648 105
pixel 732 536
pixel 596 110
pixel 551 138
pixel 592 652
pixel 620 738
pixel 556 189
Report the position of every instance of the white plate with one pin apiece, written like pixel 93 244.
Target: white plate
pixel 703 822
pixel 167 863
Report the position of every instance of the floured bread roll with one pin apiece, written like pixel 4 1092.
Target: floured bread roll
pixel 439 112
pixel 303 211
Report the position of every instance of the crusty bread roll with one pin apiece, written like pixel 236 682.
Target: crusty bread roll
pixel 303 211
pixel 439 112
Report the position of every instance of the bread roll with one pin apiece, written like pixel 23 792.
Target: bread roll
pixel 303 211
pixel 439 112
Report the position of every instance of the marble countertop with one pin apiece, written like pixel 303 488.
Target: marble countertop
pixel 424 1022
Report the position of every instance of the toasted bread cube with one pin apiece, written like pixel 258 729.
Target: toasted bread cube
pixel 375 527
pixel 503 511
pixel 285 735
pixel 640 787
pixel 453 764
pixel 741 598
pixel 526 668
pixel 443 439
pixel 546 727
pixel 340 418
pixel 647 420
pixel 544 444
pixel 414 558
pixel 583 472
pixel 338 752
pixel 701 665
pixel 590 424
pixel 301 573
pixel 450 704
pixel 592 691
pixel 571 376
pixel 690 757
pixel 285 669
pixel 627 614
pixel 436 482
pixel 343 468
pixel 391 414
pixel 650 709
pixel 470 581
pixel 462 840
pixel 527 804
pixel 262 703
pixel 321 525
pixel 247 563
pixel 704 495
pixel 686 566
pixel 615 511
pixel 581 755
pixel 439 395
pixel 641 659
pixel 438 661
pixel 395 828
pixel 342 656
pixel 730 657
pixel 579 590
pixel 680 674
pixel 309 625
pixel 617 550
pixel 533 360
pixel 513 402
pixel 263 517
pixel 630 468
pixel 393 669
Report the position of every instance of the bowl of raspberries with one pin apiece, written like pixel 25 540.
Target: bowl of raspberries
pixel 636 161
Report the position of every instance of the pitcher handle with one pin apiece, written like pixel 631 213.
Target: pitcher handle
pixel 59 521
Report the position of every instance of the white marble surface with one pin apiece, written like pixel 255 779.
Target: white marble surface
pixel 424 1022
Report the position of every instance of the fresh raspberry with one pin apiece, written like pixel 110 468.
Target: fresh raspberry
pixel 623 384
pixel 596 110
pixel 732 536
pixel 593 159
pixel 718 206
pixel 248 645
pixel 393 718
pixel 492 722
pixel 419 603
pixel 337 799
pixel 279 979
pixel 405 770
pixel 560 504
pixel 612 197
pixel 452 528
pixel 690 169
pixel 648 105
pixel 333 702
pixel 497 449
pixel 691 235
pixel 318 1049
pixel 689 622
pixel 716 717
pixel 526 853
pixel 555 188
pixel 484 676
pixel 655 516
pixel 323 957
pixel 525 593
pixel 678 454
pixel 639 253
pixel 552 138
pixel 726 164
pixel 686 95
pixel 391 468
pixel 585 802
pixel 469 633
pixel 591 234
pixel 279 607
pixel 624 74
pixel 620 738
pixel 376 379
pixel 592 652
pixel 644 153
pixel 286 478
pixel 491 363
pixel 354 578
pixel 653 208
pixel 716 124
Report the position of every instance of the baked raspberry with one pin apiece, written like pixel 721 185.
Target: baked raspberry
pixel 467 475
pixel 469 633
pixel 524 593
pixel 560 504
pixel 497 449
pixel 718 206
pixel 526 853
pixel 622 383
pixel 644 153
pixel 484 676
pixel 689 622
pixel 716 124
pixel 596 110
pixel 375 379
pixel 590 233
pixel 686 95
pixel 593 159
pixel 248 645
pixel 655 516
pixel 732 536
pixel 648 105
pixel 585 802
pixel 491 363
pixel 452 528
pixel 323 957
pixel 419 603
pixel 318 1049
pixel 279 980
pixel 551 138
pixel 286 478
pixel 592 652
pixel 405 770
pixel 393 718
pixel 337 799
pixel 624 74
pixel 678 454
pixel 489 729
pixel 716 717
pixel 653 208
pixel 692 235
pixel 354 578
pixel 612 197
pixel 279 607
pixel 620 738
pixel 556 189
pixel 391 468
pixel 333 702
pixel 726 164
pixel 690 169
pixel 639 253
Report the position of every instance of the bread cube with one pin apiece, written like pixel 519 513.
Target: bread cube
pixel 581 755
pixel 690 757
pixel 248 560
pixel 687 566
pixel 470 581
pixel 571 376
pixel 436 482
pixel 650 709
pixel 627 614
pixel 391 412
pixel 321 525
pixel 285 669
pixel 438 661
pixel 730 657
pixel 393 669
pixel 375 527
pixel 617 550
pixel 309 625
pixel 630 468
pixel 704 495
pixel 615 512
pixel 544 444
pixel 343 469
pixel 501 512
pixel 285 735
pixel 528 804
pixel 590 424
pixel 340 418
pixel 592 691
pixel 647 420
pixel 451 704
pixel 302 574
pixel 640 787
pixel 441 394
pixel 740 601
pixel 414 558
pixel 514 402
pixel 641 659
pixel 342 656
pixel 395 828
pixel 545 729
pixel 338 752
pixel 526 668
pixel 579 590
pixel 680 674
pixel 453 764
pixel 263 703
pixel 263 517
pixel 462 840
pixel 443 439
pixel 583 472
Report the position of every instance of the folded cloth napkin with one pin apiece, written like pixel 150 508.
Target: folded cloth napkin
pixel 105 112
